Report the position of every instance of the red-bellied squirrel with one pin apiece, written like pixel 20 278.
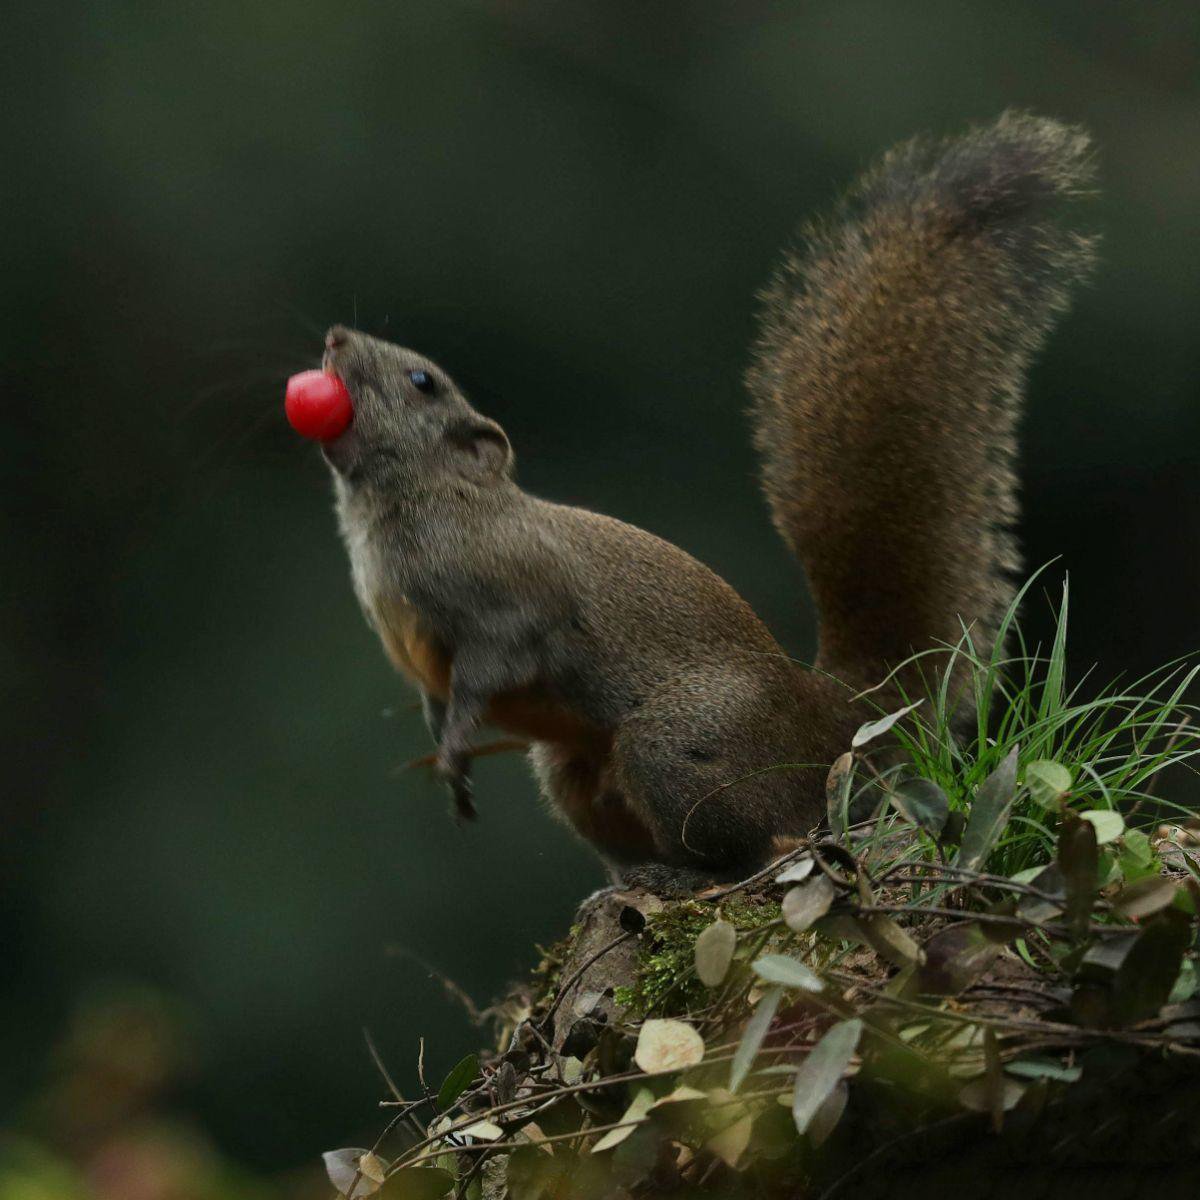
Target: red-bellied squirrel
pixel 886 383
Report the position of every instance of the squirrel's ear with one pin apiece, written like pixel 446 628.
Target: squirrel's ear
pixel 482 448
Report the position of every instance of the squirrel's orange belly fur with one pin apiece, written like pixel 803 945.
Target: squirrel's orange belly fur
pixel 414 652
pixel 527 712
pixel 576 752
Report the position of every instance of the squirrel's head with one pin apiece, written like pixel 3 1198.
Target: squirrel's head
pixel 410 419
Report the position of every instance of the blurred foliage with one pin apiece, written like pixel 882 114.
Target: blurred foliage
pixel 571 206
pixel 101 1125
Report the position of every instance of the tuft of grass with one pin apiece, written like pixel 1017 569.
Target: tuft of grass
pixel 1115 741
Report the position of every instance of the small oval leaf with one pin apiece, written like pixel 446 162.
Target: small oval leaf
pixel 822 1071
pixel 1147 974
pixel 457 1081
pixel 1049 881
pixel 752 1037
pixel 1027 874
pixel 344 1168
pixel 873 729
pixel 667 1045
pixel 485 1131
pixel 955 957
pixel 1109 824
pixel 714 952
pixel 1144 896
pixel 922 802
pixel 373 1167
pixel 729 1144
pixel 989 813
pixel 680 1095
pixel 889 940
pixel 1079 863
pixel 808 903
pixel 825 1119
pixel 1043 1068
pixel 632 1117
pixel 796 872
pixel 1138 847
pixel 1048 781
pixel 787 972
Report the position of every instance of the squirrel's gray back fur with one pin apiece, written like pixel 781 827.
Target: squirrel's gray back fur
pixel 887 381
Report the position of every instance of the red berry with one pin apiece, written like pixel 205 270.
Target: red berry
pixel 318 406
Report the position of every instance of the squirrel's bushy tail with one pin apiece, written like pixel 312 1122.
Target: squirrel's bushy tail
pixel 887 380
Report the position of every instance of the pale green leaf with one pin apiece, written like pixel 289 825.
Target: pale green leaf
pixel 631 1118
pixel 1047 781
pixel 1109 824
pixel 807 903
pixel 787 972
pixel 822 1071
pixel 989 813
pixel 714 952
pixel 922 802
pixel 752 1037
pixel 873 729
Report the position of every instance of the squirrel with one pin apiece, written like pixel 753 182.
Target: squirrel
pixel 886 381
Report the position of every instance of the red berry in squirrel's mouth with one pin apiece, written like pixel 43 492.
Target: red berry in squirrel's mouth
pixel 318 406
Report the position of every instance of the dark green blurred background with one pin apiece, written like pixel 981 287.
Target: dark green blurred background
pixel 571 207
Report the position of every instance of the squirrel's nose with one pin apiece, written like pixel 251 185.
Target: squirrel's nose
pixel 338 335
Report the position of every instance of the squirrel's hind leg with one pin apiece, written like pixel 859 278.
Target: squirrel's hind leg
pixel 578 782
pixel 704 763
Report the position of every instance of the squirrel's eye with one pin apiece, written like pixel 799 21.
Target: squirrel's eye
pixel 423 382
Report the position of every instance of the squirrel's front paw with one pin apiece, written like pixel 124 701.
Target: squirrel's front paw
pixel 455 776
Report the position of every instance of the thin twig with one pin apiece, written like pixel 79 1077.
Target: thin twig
pixel 421 1068
pixel 713 897
pixel 985 918
pixel 406 1113
pixel 1068 1032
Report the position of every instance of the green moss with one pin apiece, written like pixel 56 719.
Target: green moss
pixel 665 981
pixel 750 912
